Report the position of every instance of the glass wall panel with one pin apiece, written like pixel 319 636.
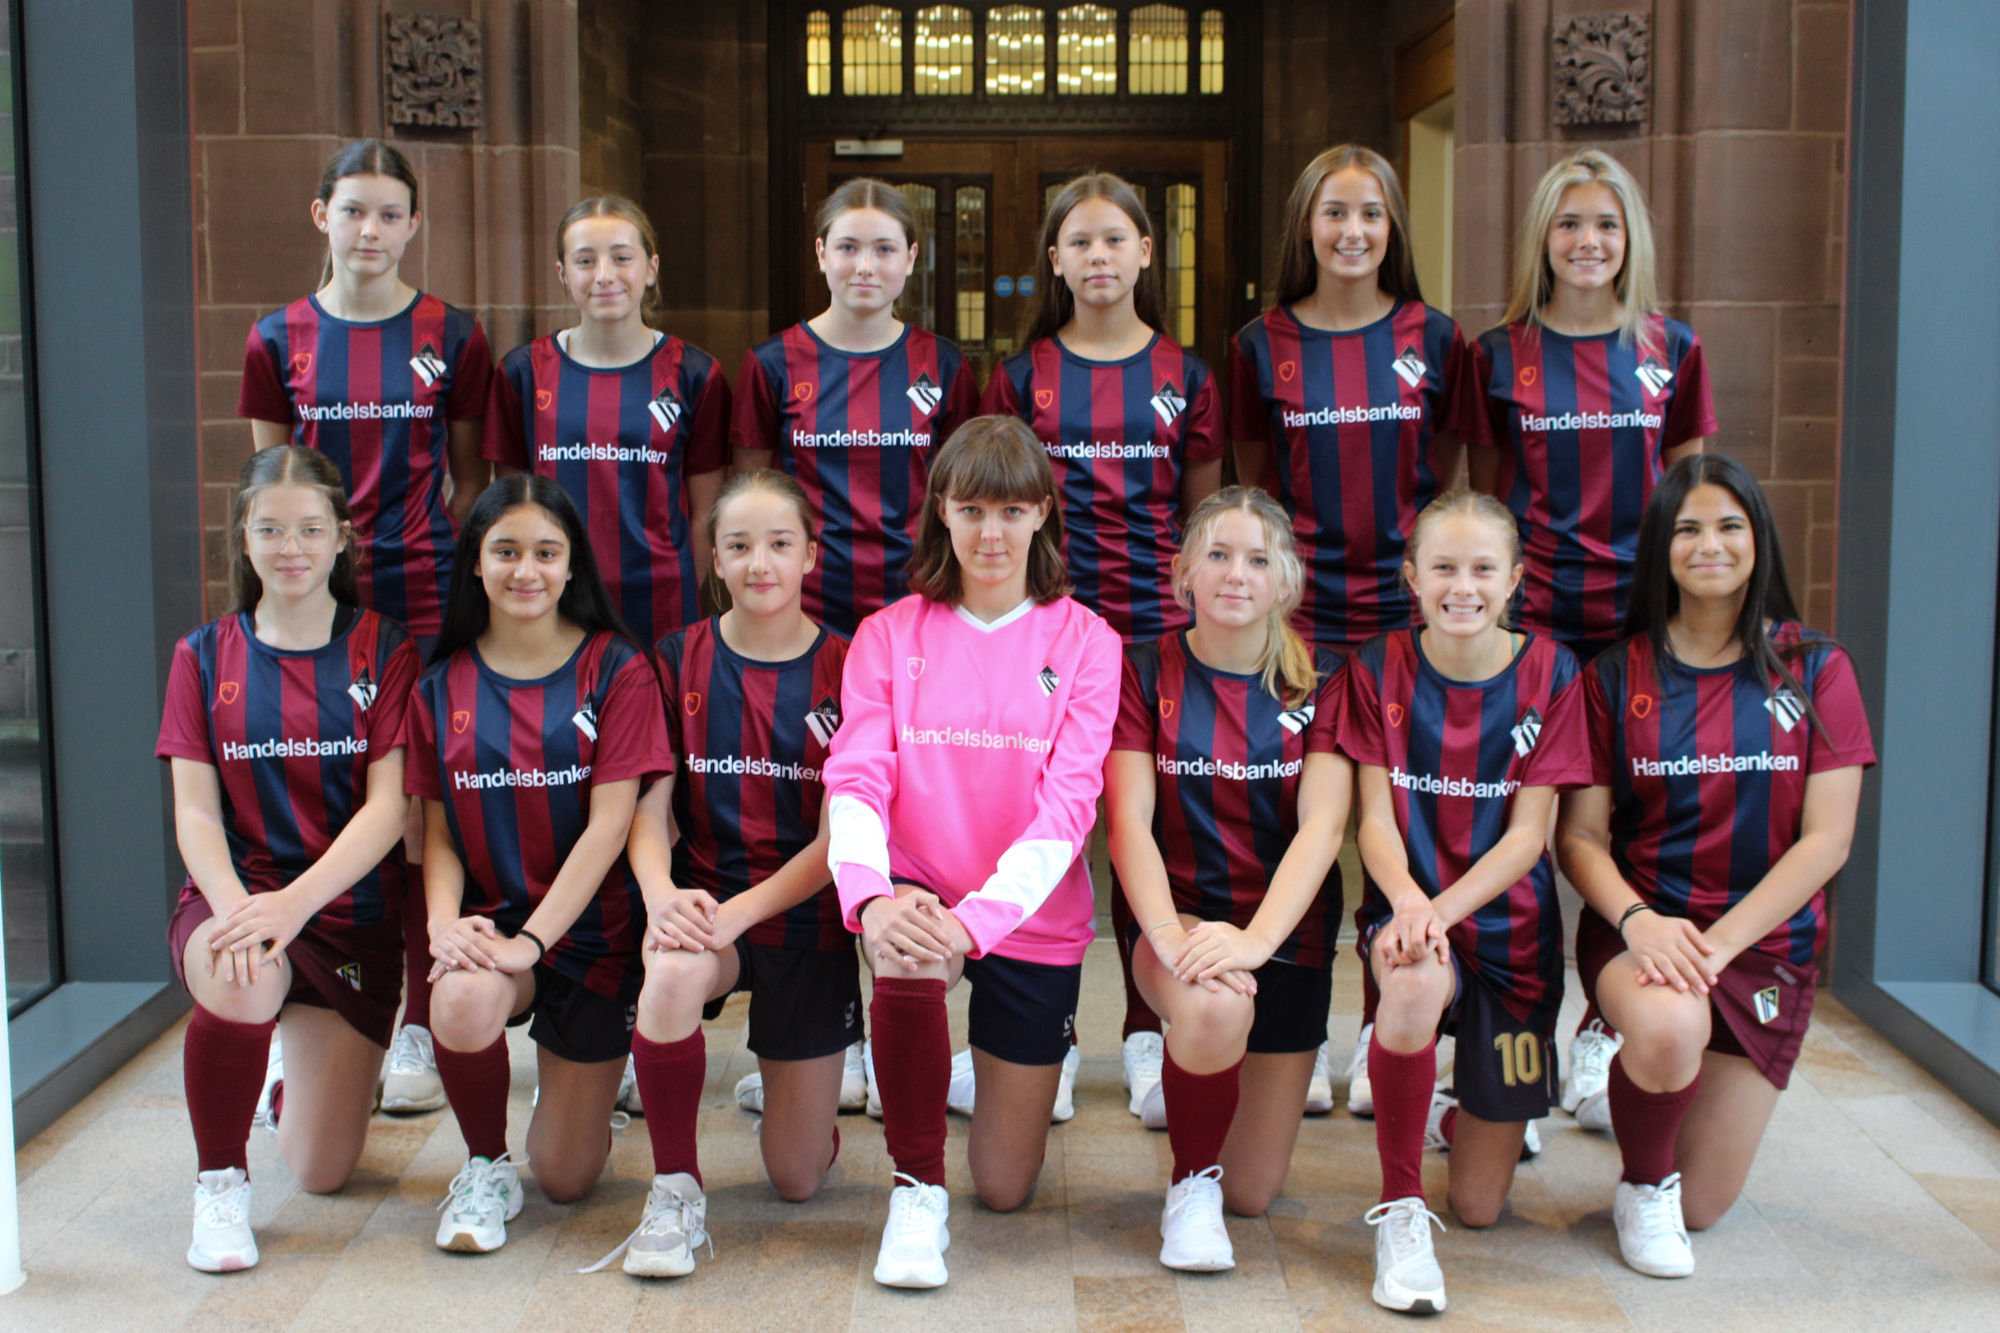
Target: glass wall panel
pixel 871 61
pixel 819 54
pixel 1015 50
pixel 1086 50
pixel 1211 51
pixel 944 51
pixel 971 274
pixel 1159 50
pixel 919 301
pixel 1181 271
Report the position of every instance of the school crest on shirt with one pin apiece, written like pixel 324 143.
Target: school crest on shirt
pixel 349 973
pixel 824 720
pixel 543 398
pixel 925 393
pixel 301 362
pixel 666 409
pixel 1286 370
pixel 460 721
pixel 1766 1003
pixel 1654 375
pixel 691 702
pixel 428 365
pixel 1048 679
pixel 1526 732
pixel 1296 720
pixel 915 666
pixel 1043 397
pixel 226 692
pixel 1409 367
pixel 1169 403
pixel 362 691
pixel 1528 376
pixel 1642 706
pixel 1396 714
pixel 804 390
pixel 1786 707
pixel 586 720
pixel 1167 707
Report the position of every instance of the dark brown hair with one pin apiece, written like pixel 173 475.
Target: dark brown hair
pixel 1055 304
pixel 1298 266
pixel 287 465
pixel 866 192
pixel 652 305
pixel 363 157
pixel 989 458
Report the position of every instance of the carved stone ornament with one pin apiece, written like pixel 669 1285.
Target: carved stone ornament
pixel 1601 69
pixel 433 70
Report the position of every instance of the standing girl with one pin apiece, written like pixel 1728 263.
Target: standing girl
pixel 1727 745
pixel 1463 730
pixel 530 735
pixel 1344 399
pixel 629 420
pixel 753 701
pixel 963 782
pixel 391 384
pixel 1227 854
pixel 853 403
pixel 282 724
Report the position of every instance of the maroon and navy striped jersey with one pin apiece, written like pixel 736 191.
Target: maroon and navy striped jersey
pixel 1583 425
pixel 290 735
pixel 750 742
pixel 1707 770
pixel 514 762
pixel 1457 752
pixel 857 429
pixel 1226 762
pixel 1119 434
pixel 1349 419
pixel 623 444
pixel 379 398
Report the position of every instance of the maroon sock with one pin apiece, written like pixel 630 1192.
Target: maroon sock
pixel 1448 1125
pixel 670 1076
pixel 913 1070
pixel 475 1082
pixel 416 956
pixel 1139 1016
pixel 223 1066
pixel 1648 1125
pixel 1200 1108
pixel 1402 1085
pixel 1371 996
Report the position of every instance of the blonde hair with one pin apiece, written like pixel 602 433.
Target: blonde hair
pixel 1637 284
pixel 1287 663
pixel 653 304
pixel 1464 504
pixel 1298 266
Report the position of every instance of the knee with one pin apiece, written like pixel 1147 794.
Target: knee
pixel 461 1015
pixel 566 1182
pixel 322 1177
pixel 670 974
pixel 1668 1037
pixel 795 1186
pixel 1700 1211
pixel 1247 1200
pixel 1006 1196
pixel 1217 1018
pixel 234 1004
pixel 1475 1212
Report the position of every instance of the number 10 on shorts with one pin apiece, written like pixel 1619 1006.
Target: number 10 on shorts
pixel 1520 1058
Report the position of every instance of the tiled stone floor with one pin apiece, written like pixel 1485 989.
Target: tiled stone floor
pixel 1874 1205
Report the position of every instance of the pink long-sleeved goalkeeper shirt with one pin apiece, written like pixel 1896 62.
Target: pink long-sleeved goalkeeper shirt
pixel 969 759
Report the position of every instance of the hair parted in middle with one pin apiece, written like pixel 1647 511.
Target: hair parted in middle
pixel 1055 304
pixel 1637 284
pixel 1286 664
pixel 287 465
pixel 989 458
pixel 770 481
pixel 866 192
pixel 1298 266
pixel 653 305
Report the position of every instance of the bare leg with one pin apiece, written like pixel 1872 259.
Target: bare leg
pixel 1484 1154
pixel 569 1139
pixel 1719 1138
pixel 801 1103
pixel 1010 1128
pixel 1257 1155
pixel 329 1091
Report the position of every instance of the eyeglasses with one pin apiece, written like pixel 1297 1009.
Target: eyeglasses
pixel 312 539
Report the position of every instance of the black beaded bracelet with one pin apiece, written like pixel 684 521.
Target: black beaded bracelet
pixel 541 949
pixel 1629 912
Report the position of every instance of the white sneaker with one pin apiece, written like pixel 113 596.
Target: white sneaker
pixel 222 1240
pixel 484 1197
pixel 1442 1101
pixel 1360 1095
pixel 853 1080
pixel 1590 1053
pixel 1531 1142
pixel 674 1226
pixel 628 1090
pixel 750 1093
pixel 874 1106
pixel 915 1237
pixel 1319 1092
pixel 1065 1107
pixel 410 1083
pixel 274 1078
pixel 958 1097
pixel 1594 1112
pixel 1192 1236
pixel 1140 1061
pixel 1407 1276
pixel 1651 1234
pixel 1153 1111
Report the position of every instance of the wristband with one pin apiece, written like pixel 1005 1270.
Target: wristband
pixel 1630 912
pixel 1174 921
pixel 541 949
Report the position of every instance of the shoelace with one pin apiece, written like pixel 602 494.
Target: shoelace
pixel 1659 1211
pixel 477 1186
pixel 1208 1181
pixel 226 1209
pixel 685 1222
pixel 1593 1049
pixel 918 1218
pixel 411 1053
pixel 1149 1062
pixel 1408 1215
pixel 1357 1064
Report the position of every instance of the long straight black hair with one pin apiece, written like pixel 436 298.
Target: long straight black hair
pixel 585 602
pixel 1767 600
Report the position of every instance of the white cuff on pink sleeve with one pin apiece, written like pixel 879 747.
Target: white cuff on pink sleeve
pixel 857 885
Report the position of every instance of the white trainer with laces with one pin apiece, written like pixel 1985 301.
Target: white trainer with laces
pixel 750 1093
pixel 1140 1061
pixel 916 1236
pixel 1594 1112
pixel 271 1099
pixel 1153 1112
pixel 1442 1101
pixel 1531 1142
pixel 628 1090
pixel 1360 1095
pixel 853 1080
pixel 1407 1276
pixel 673 1227
pixel 222 1241
pixel 1193 1238
pixel 959 1096
pixel 1651 1232
pixel 484 1197
pixel 1065 1107
pixel 1590 1053
pixel 1319 1092
pixel 874 1106
pixel 410 1083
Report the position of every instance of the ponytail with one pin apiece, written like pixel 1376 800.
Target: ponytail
pixel 363 157
pixel 1286 664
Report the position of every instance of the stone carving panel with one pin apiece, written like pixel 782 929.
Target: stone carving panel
pixel 1601 69
pixel 433 70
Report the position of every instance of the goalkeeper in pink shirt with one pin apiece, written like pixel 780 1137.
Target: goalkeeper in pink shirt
pixel 963 781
